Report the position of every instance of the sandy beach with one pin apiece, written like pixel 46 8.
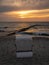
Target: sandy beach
pixel 8 52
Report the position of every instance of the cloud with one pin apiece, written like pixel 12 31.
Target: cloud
pixel 7 8
pixel 14 5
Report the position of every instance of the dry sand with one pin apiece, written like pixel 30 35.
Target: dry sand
pixel 8 50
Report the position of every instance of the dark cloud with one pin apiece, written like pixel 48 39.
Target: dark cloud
pixel 7 8
pixel 40 4
pixel 11 8
pixel 37 4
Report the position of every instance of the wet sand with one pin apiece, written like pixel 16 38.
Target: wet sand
pixel 8 52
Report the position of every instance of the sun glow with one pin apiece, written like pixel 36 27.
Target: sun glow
pixel 29 13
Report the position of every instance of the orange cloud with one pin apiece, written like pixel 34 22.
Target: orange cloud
pixel 27 15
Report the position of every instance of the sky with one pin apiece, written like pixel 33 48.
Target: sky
pixel 24 10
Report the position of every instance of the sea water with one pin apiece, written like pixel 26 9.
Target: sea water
pixel 12 26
